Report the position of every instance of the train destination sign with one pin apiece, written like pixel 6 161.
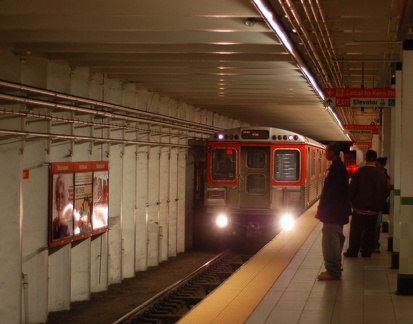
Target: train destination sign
pixel 360 97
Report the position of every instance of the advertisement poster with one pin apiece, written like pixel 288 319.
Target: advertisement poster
pixel 78 201
pixel 100 199
pixel 62 212
pixel 83 203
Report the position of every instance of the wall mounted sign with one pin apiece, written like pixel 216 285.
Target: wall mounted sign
pixel 78 200
pixel 360 97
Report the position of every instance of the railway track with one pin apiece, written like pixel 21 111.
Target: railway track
pixel 175 301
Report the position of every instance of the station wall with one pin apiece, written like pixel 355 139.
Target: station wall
pixel 149 205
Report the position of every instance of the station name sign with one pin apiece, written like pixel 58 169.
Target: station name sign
pixel 360 97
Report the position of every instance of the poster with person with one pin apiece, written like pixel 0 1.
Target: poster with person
pixel 83 203
pixel 62 211
pixel 78 203
pixel 100 199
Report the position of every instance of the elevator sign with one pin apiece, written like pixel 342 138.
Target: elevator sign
pixel 360 97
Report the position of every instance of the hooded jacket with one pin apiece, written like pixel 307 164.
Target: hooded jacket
pixel 334 205
pixel 368 189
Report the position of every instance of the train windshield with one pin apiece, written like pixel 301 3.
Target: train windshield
pixel 256 158
pixel 223 164
pixel 287 165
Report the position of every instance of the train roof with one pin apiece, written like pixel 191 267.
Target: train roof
pixel 262 134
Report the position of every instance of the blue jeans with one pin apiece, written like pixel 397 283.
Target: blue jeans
pixel 378 228
pixel 332 244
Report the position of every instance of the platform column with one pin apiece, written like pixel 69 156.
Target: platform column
pixel 405 276
pixel 394 171
pixel 11 233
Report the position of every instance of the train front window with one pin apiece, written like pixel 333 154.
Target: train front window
pixel 223 164
pixel 256 157
pixel 255 183
pixel 287 165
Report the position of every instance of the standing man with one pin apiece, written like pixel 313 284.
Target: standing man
pixel 334 211
pixel 368 193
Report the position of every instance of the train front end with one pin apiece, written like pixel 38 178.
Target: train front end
pixel 255 182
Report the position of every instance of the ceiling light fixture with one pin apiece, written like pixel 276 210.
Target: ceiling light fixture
pixel 250 22
pixel 268 13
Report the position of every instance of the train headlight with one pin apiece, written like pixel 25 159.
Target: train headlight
pixel 287 222
pixel 221 221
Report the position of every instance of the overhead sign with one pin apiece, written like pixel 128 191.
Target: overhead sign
pixel 359 131
pixel 360 97
pixel 368 102
pixel 372 129
pixel 362 144
pixel 360 92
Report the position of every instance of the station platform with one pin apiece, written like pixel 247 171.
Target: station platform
pixel 279 285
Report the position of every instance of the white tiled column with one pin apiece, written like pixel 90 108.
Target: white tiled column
pixel 394 171
pixel 405 277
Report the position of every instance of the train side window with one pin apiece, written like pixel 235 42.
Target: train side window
pixel 287 165
pixel 223 164
pixel 256 157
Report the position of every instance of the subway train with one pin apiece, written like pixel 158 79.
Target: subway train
pixel 259 177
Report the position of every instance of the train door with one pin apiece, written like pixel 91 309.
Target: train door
pixel 255 177
pixel 308 176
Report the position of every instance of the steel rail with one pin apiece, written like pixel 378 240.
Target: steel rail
pixel 170 288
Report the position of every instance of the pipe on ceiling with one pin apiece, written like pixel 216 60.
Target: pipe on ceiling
pixel 329 56
pixel 77 138
pixel 405 22
pixel 105 114
pixel 101 104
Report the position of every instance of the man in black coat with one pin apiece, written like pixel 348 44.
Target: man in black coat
pixel 368 193
pixel 333 211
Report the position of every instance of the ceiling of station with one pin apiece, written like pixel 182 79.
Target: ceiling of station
pixel 221 55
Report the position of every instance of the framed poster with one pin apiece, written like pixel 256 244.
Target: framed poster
pixel 61 207
pixel 100 199
pixel 83 204
pixel 78 201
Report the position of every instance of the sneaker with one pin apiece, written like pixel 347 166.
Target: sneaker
pixel 326 276
pixel 350 255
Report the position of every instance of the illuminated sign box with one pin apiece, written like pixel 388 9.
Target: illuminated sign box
pixel 360 97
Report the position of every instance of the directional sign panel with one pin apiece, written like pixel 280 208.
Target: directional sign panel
pixel 330 102
pixel 362 144
pixel 372 103
pixel 374 129
pixel 360 97
pixel 360 92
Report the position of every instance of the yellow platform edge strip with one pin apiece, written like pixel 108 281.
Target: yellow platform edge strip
pixel 236 298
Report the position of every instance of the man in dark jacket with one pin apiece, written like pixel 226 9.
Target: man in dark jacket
pixel 334 211
pixel 368 193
